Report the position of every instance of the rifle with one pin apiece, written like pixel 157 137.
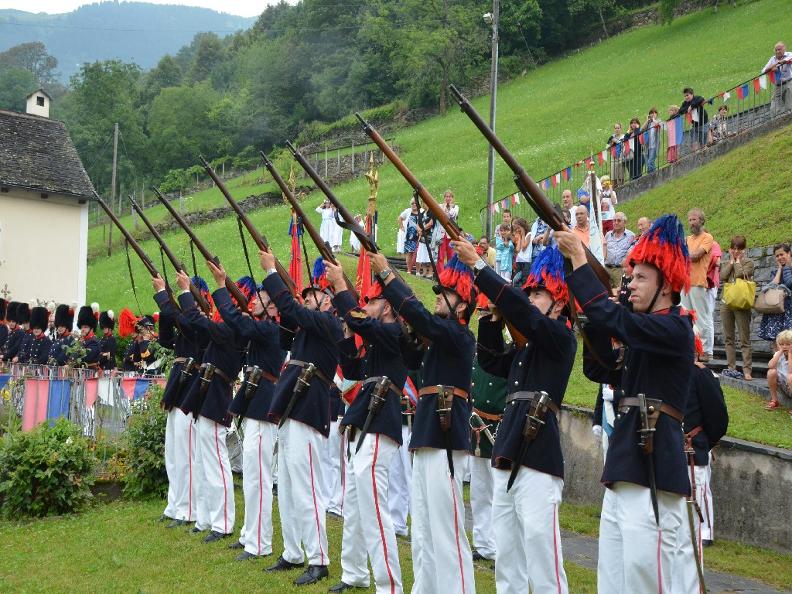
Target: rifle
pixel 241 300
pixel 177 264
pixel 453 231
pixel 324 249
pixel 152 270
pixel 528 187
pixel 258 238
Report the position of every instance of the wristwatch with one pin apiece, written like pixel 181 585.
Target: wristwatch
pixel 479 265
pixel 384 274
pixel 271 271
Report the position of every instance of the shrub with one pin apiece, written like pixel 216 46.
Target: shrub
pixel 45 471
pixel 144 442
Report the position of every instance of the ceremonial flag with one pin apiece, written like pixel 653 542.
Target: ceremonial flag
pixel 34 403
pixel 675 130
pixel 141 387
pixel 295 260
pixel 59 397
pixel 128 387
pixel 743 91
pixel 411 392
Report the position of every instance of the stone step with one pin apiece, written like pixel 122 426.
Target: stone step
pixel 758 368
pixel 758 386
pixel 720 353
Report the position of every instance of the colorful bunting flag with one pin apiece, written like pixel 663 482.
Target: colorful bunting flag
pixel 772 76
pixel 602 156
pixel 726 96
pixel 554 180
pixel 515 199
pixel 675 129
pixel 743 91
pixel 34 403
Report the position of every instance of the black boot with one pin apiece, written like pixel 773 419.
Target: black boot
pixel 244 556
pixel 343 587
pixel 313 574
pixel 176 524
pixel 236 545
pixel 282 565
pixel 214 535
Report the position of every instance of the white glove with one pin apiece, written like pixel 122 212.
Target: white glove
pixel 597 431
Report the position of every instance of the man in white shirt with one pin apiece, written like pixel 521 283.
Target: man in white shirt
pixel 618 243
pixel 781 64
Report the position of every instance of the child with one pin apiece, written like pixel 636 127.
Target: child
pixel 779 373
pixel 504 252
pixel 671 151
pixel 718 127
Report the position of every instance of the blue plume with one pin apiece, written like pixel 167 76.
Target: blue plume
pixel 247 285
pixel 667 229
pixel 200 284
pixel 318 269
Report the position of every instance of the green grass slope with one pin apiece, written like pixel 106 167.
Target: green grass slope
pixel 741 193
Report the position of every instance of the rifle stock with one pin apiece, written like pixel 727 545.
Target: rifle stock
pixel 533 193
pixel 324 249
pixel 177 264
pixel 258 238
pixel 241 300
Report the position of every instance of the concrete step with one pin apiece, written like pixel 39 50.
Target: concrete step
pixel 758 368
pixel 720 353
pixel 758 386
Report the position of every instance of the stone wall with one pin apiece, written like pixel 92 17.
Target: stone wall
pixel 751 483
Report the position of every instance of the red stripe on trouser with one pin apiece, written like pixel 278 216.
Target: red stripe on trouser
pixel 316 509
pixel 456 532
pixel 659 562
pixel 555 548
pixel 376 507
pixel 225 489
pixel 343 474
pixel 189 462
pixel 261 495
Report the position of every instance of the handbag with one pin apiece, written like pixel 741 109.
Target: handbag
pixel 740 294
pixel 771 299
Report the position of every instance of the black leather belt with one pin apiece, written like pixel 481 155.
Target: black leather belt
pixel 626 403
pixel 525 395
pixel 266 375
pixel 318 374
pixel 391 386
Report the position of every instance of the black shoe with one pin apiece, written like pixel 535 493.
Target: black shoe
pixel 214 535
pixel 282 565
pixel 313 574
pixel 176 524
pixel 164 518
pixel 479 557
pixel 244 556
pixel 236 545
pixel 195 530
pixel 341 587
pixel 706 543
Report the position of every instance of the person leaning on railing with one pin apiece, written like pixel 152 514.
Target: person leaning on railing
pixel 652 127
pixel 739 265
pixel 616 146
pixel 780 63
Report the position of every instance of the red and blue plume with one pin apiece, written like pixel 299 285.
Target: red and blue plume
pixel 547 272
pixel 664 246
pixel 319 275
pixel 248 286
pixel 458 277
pixel 200 284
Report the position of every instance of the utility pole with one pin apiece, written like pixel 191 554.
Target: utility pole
pixel 113 188
pixel 492 18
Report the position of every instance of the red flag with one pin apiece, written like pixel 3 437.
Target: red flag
pixel 589 163
pixel 601 157
pixel 613 152
pixel 756 86
pixel 295 261
pixel 772 76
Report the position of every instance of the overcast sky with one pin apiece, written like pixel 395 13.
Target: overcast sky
pixel 240 7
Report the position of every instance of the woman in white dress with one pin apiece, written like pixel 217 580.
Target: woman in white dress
pixel 328 222
pixel 337 237
pixel 401 234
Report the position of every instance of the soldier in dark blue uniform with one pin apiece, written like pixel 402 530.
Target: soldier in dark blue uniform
pixel 302 406
pixel 138 355
pixel 86 322
pixel 15 334
pixel 264 359
pixel 442 558
pixel 644 470
pixel 36 350
pixel 527 457
pixel 64 320
pixel 368 529
pixel 208 400
pixel 107 344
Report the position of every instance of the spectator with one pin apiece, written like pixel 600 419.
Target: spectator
pixel 633 160
pixel 718 126
pixel 354 242
pixel 653 129
pixel 779 370
pixel 486 251
pixel 699 244
pixel 739 265
pixel 581 228
pixel 401 233
pixel 327 229
pixel 540 236
pixel 425 226
pixel 772 324
pixel 567 204
pixel 410 223
pixel 713 283
pixel 617 243
pixel 444 248
pixel 521 236
pixel 507 217
pixel 694 104
pixel 644 224
pixel 615 146
pixel 607 203
pixel 780 64
pixel 504 249
pixel 672 152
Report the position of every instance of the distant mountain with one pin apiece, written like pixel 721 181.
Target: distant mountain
pixel 130 31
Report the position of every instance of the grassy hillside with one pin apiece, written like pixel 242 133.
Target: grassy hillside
pixel 548 117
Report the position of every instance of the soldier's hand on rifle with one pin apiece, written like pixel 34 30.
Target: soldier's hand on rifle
pixel 378 262
pixel 217 272
pixel 158 283
pixel 465 251
pixel 266 259
pixel 571 246
pixel 335 274
pixel 182 280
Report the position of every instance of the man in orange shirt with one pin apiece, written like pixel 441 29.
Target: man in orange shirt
pixel 581 228
pixel 699 244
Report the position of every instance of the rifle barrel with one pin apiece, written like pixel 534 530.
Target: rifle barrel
pixel 230 285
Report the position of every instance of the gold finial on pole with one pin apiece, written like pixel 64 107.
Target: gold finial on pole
pixel 373 179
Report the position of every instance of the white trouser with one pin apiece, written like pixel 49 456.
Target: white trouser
pixel 698 299
pixel 214 480
pixel 481 505
pixel 179 457
pixel 442 561
pixel 704 497
pixel 709 340
pixel 400 481
pixel 528 539
pixel 368 530
pixel 634 554
pixel 257 447
pixel 300 474
pixel 333 482
pixel 684 571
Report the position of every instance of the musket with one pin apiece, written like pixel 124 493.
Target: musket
pixel 177 264
pixel 258 238
pixel 528 187
pixel 241 300
pixel 152 270
pixel 324 249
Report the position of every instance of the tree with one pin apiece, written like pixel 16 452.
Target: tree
pixel 34 58
pixel 599 6
pixel 208 54
pixel 167 73
pixel 15 85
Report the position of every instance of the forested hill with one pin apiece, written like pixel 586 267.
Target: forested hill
pixel 130 31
